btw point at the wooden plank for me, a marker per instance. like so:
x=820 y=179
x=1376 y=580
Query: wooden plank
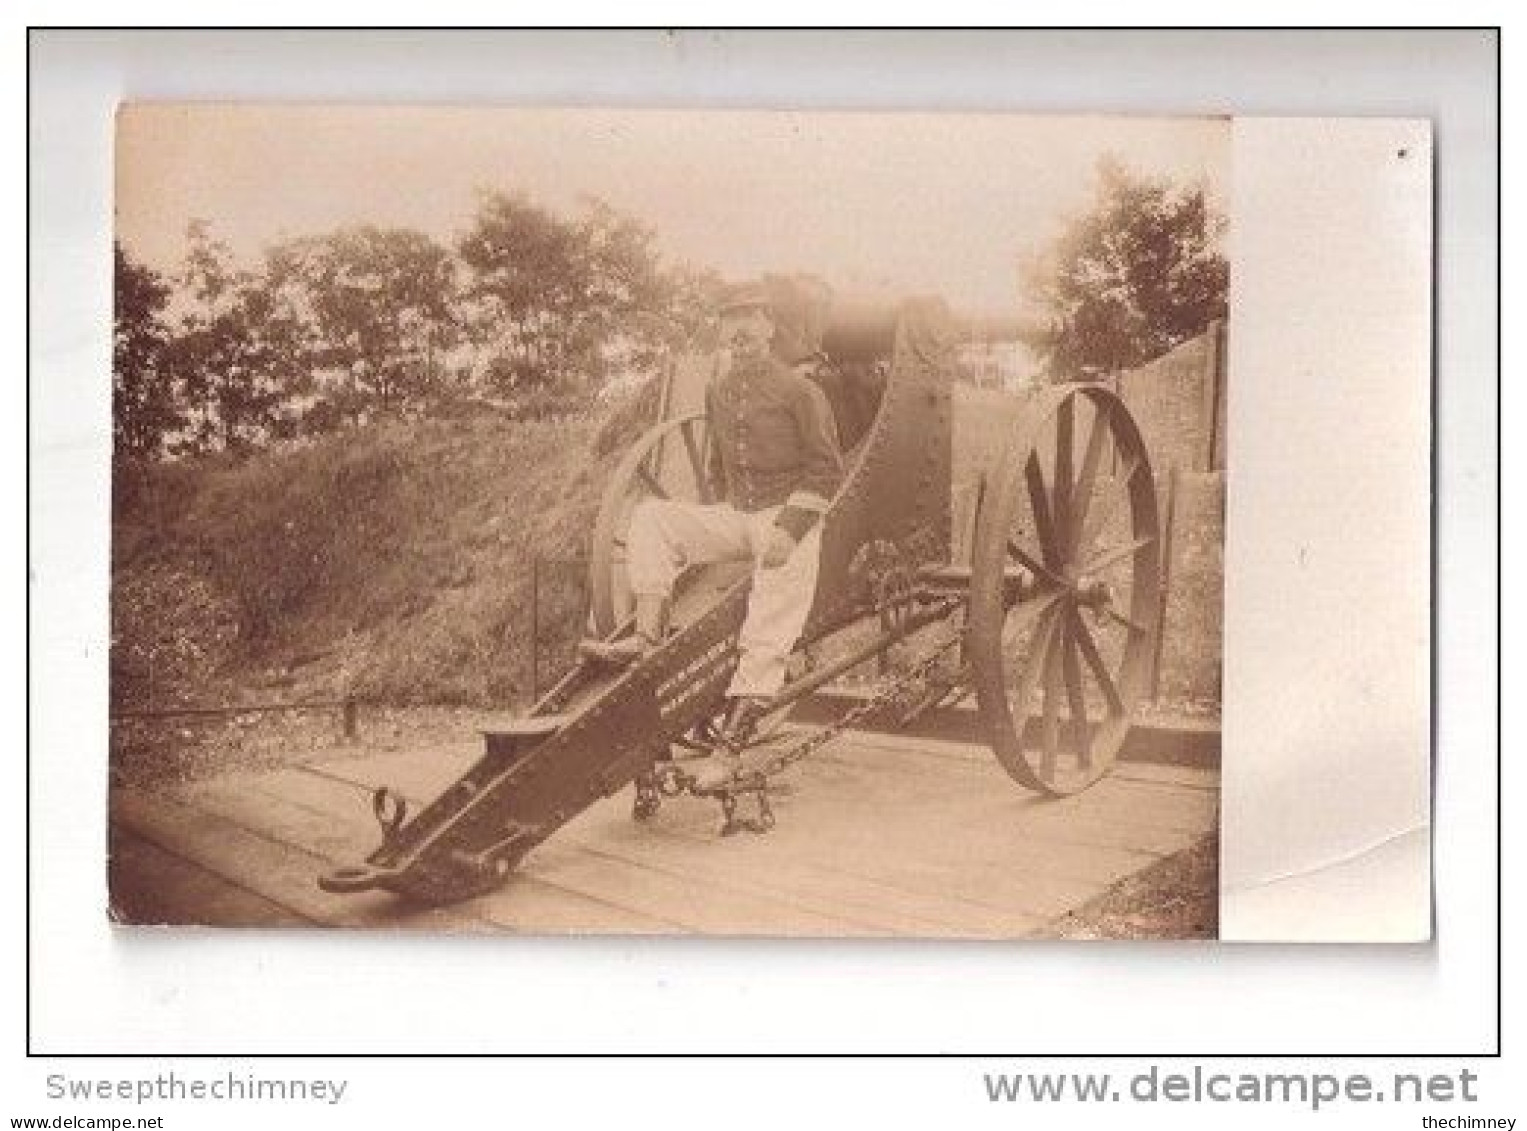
x=752 y=863
x=1189 y=777
x=311 y=810
x=1085 y=830
x=1146 y=803
x=917 y=844
x=151 y=887
x=1154 y=801
x=626 y=882
x=419 y=776
x=426 y=775
x=998 y=885
x=913 y=836
x=994 y=869
x=415 y=781
x=927 y=806
x=1152 y=809
x=1158 y=737
x=960 y=826
x=905 y=785
x=865 y=744
x=698 y=906
x=975 y=754
x=346 y=835
x=279 y=872
x=525 y=903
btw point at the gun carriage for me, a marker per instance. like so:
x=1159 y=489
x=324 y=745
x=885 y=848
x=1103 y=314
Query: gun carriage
x=1018 y=561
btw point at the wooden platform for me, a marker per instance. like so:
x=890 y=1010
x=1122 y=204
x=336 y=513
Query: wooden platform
x=878 y=835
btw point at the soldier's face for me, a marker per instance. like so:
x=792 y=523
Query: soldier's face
x=747 y=332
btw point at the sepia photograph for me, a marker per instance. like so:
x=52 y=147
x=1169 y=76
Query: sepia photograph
x=668 y=522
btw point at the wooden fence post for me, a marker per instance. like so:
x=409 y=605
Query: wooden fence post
x=1214 y=392
x=1168 y=537
x=535 y=628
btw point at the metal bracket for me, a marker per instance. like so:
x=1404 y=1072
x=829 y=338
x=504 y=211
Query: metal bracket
x=649 y=797
x=390 y=808
x=732 y=823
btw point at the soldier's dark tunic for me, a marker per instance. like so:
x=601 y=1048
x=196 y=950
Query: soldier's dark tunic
x=774 y=442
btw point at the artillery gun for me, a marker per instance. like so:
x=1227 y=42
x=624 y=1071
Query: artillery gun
x=1011 y=540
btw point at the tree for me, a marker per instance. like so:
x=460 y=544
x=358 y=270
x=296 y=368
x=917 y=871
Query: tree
x=1128 y=280
x=555 y=304
x=239 y=351
x=144 y=405
x=624 y=314
x=521 y=275
x=378 y=302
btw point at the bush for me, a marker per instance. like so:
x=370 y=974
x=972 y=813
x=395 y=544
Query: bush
x=391 y=561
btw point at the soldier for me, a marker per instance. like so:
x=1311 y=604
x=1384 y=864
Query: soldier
x=775 y=451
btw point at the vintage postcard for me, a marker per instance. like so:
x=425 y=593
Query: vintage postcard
x=731 y=523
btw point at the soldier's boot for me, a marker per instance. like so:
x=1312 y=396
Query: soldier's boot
x=736 y=732
x=651 y=628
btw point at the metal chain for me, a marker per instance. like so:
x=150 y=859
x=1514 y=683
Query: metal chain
x=893 y=694
x=668 y=781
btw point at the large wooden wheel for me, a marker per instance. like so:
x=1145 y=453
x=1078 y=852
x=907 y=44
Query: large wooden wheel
x=671 y=460
x=1066 y=576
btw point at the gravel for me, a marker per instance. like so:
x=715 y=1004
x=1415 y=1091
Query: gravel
x=1175 y=898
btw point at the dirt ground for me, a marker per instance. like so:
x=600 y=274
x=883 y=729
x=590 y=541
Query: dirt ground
x=1175 y=898
x=179 y=749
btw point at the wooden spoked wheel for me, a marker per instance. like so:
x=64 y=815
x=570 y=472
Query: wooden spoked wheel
x=670 y=461
x=1065 y=585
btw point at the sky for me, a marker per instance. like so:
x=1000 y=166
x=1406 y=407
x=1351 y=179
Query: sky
x=876 y=204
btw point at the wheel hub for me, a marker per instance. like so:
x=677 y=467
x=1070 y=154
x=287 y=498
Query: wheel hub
x=1091 y=592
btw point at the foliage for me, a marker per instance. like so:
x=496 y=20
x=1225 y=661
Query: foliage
x=392 y=561
x=1139 y=273
x=239 y=352
x=144 y=407
x=529 y=313
x=560 y=304
x=378 y=306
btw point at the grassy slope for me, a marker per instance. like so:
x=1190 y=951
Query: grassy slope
x=391 y=562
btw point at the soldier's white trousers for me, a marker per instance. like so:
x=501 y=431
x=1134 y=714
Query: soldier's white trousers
x=666 y=535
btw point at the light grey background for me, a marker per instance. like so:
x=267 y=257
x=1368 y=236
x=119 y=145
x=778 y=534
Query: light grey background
x=100 y=990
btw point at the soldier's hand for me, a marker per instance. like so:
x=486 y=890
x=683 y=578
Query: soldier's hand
x=777 y=551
